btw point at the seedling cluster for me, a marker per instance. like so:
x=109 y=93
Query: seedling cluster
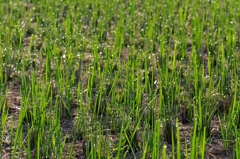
x=120 y=79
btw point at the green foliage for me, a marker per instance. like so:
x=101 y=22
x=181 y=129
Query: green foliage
x=115 y=77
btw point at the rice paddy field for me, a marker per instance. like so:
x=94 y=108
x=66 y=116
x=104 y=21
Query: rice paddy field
x=142 y=79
